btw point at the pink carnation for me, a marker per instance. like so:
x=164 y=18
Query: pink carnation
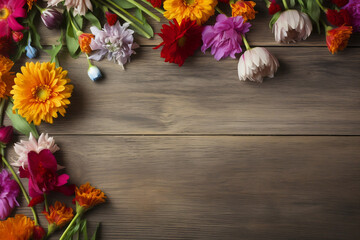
x=9 y=190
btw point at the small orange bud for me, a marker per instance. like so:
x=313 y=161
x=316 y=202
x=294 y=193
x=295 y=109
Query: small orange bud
x=84 y=41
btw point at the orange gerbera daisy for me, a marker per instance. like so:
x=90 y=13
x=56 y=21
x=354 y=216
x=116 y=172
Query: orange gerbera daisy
x=338 y=38
x=244 y=9
x=84 y=41
x=19 y=227
x=59 y=215
x=86 y=196
x=41 y=91
x=6 y=77
x=194 y=10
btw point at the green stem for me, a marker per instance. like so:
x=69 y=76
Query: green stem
x=78 y=31
x=124 y=11
x=246 y=42
x=2 y=108
x=39 y=8
x=320 y=5
x=145 y=10
x=285 y=4
x=219 y=10
x=267 y=3
x=157 y=9
x=70 y=225
x=126 y=19
x=46 y=203
x=16 y=178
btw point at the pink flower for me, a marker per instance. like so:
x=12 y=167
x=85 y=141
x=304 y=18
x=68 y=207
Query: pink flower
x=224 y=38
x=9 y=10
x=43 y=177
x=6 y=134
x=24 y=147
x=9 y=190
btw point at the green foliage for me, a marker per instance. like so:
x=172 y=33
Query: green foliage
x=311 y=8
x=124 y=4
x=20 y=123
x=80 y=231
x=145 y=26
x=274 y=18
x=71 y=37
x=92 y=19
x=54 y=51
x=292 y=3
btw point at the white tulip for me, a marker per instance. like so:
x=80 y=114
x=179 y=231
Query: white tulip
x=292 y=26
x=257 y=63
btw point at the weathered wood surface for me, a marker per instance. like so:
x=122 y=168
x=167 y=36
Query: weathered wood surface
x=160 y=141
x=220 y=187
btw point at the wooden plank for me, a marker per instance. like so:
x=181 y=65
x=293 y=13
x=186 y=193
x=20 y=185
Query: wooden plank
x=314 y=92
x=260 y=34
x=220 y=187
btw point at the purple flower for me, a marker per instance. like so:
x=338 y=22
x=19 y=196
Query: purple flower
x=52 y=18
x=353 y=8
x=224 y=38
x=6 y=134
x=117 y=42
x=9 y=190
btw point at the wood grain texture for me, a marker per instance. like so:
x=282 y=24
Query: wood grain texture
x=260 y=34
x=220 y=187
x=313 y=93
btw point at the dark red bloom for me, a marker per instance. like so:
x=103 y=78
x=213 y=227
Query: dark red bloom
x=338 y=18
x=42 y=176
x=6 y=134
x=179 y=41
x=17 y=36
x=111 y=18
x=274 y=7
x=6 y=46
x=224 y=1
x=340 y=3
x=155 y=3
x=38 y=233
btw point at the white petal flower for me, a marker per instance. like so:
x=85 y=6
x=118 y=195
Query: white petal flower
x=24 y=147
x=117 y=42
x=292 y=26
x=80 y=6
x=257 y=63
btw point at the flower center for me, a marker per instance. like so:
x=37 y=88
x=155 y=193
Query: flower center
x=41 y=93
x=182 y=41
x=4 y=13
x=189 y=2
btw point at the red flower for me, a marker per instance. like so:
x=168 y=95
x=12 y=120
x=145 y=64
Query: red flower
x=224 y=1
x=6 y=46
x=42 y=176
x=155 y=3
x=179 y=41
x=17 y=36
x=340 y=3
x=338 y=18
x=38 y=233
x=6 y=134
x=111 y=18
x=274 y=7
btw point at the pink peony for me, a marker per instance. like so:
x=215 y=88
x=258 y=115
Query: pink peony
x=43 y=177
x=9 y=10
x=9 y=190
x=224 y=38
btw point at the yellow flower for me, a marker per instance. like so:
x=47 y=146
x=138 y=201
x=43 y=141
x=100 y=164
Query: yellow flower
x=244 y=9
x=6 y=77
x=19 y=227
x=87 y=196
x=195 y=10
x=41 y=91
x=59 y=214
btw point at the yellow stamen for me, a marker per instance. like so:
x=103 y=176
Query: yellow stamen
x=4 y=13
x=41 y=93
x=182 y=41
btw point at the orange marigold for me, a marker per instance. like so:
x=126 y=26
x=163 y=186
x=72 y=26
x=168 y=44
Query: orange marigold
x=6 y=77
x=30 y=3
x=84 y=41
x=59 y=214
x=19 y=227
x=338 y=38
x=244 y=9
x=87 y=196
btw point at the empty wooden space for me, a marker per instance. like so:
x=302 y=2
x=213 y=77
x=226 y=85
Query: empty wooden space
x=192 y=153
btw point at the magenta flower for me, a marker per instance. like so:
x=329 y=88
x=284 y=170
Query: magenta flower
x=6 y=134
x=43 y=177
x=9 y=10
x=353 y=8
x=224 y=38
x=9 y=190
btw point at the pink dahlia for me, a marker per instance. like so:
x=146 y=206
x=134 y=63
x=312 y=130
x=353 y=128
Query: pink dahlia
x=9 y=190
x=225 y=37
x=9 y=11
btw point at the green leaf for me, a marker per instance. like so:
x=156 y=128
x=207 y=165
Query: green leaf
x=54 y=51
x=35 y=37
x=93 y=20
x=124 y=4
x=84 y=230
x=20 y=123
x=313 y=10
x=71 y=38
x=95 y=233
x=292 y=3
x=79 y=21
x=274 y=18
x=145 y=26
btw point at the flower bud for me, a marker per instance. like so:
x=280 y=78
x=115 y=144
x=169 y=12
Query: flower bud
x=52 y=18
x=38 y=233
x=84 y=42
x=94 y=73
x=17 y=36
x=31 y=52
x=6 y=134
x=111 y=18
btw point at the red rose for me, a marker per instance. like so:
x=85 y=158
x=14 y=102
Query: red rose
x=338 y=18
x=274 y=7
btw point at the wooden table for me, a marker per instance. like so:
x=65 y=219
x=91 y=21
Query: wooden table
x=192 y=153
